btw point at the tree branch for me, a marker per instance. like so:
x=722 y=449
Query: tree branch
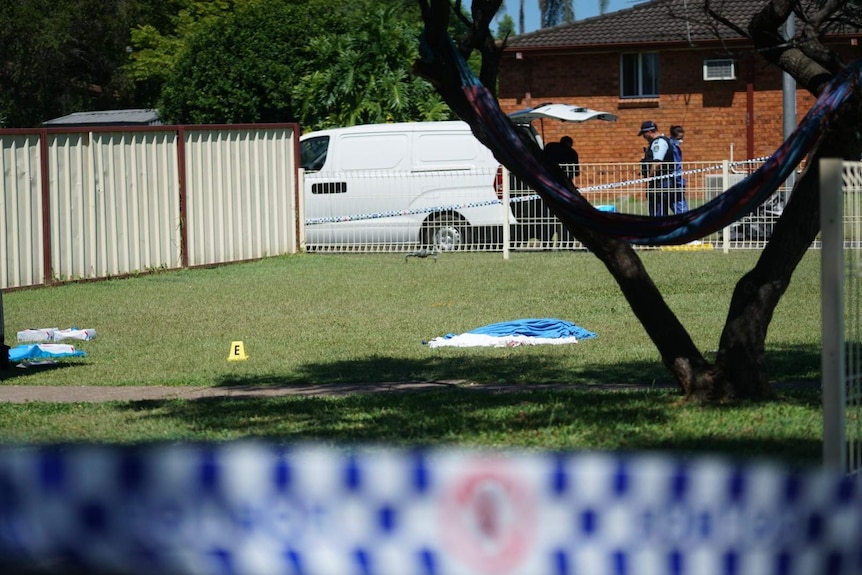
x=806 y=67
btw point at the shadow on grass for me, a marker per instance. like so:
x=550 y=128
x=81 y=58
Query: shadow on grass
x=790 y=363
x=525 y=370
x=562 y=419
x=20 y=373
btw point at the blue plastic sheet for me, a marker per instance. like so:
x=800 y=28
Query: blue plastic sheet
x=43 y=351
x=535 y=327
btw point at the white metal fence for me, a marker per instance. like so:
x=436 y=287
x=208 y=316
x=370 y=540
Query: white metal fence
x=101 y=202
x=841 y=301
x=341 y=221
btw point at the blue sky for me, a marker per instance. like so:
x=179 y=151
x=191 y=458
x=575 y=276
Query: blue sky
x=583 y=9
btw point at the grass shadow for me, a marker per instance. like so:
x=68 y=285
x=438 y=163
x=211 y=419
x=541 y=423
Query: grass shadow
x=13 y=372
x=521 y=370
x=788 y=363
x=575 y=418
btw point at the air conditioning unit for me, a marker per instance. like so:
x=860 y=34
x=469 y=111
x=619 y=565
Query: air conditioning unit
x=714 y=184
x=719 y=69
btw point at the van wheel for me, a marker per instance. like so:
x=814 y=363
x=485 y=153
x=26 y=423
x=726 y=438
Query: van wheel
x=446 y=233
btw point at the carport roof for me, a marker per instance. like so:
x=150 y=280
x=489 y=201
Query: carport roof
x=131 y=117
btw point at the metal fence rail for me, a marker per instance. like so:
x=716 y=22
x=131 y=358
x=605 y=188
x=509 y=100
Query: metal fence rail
x=375 y=223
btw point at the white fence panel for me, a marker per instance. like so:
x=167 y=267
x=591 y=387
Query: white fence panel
x=69 y=182
x=841 y=309
x=384 y=212
x=141 y=168
x=21 y=211
x=241 y=186
x=114 y=203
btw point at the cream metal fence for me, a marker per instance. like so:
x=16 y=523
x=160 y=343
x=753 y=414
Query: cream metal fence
x=91 y=203
x=22 y=242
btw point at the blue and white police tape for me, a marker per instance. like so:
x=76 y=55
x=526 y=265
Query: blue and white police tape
x=250 y=508
x=644 y=180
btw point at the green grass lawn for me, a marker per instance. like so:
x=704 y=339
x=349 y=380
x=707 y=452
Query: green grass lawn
x=328 y=319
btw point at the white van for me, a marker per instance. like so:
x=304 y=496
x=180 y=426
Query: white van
x=431 y=184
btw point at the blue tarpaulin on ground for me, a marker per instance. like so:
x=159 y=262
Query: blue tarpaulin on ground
x=534 y=327
x=533 y=331
x=43 y=351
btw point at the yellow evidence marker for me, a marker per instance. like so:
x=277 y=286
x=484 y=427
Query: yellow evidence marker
x=237 y=351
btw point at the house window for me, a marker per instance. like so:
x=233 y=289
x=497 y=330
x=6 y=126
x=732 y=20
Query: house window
x=639 y=75
x=719 y=70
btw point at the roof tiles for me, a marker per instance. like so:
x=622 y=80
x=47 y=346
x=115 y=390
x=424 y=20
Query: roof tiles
x=655 y=21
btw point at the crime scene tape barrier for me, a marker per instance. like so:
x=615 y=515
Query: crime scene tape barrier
x=253 y=508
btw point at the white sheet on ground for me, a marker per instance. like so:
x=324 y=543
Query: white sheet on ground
x=536 y=331
x=50 y=334
x=481 y=340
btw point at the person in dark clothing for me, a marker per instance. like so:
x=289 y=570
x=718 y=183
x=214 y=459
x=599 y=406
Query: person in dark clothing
x=678 y=202
x=564 y=154
x=658 y=165
x=535 y=216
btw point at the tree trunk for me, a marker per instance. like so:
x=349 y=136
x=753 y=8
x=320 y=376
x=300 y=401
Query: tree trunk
x=740 y=356
x=678 y=352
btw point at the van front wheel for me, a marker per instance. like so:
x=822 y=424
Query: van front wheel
x=445 y=233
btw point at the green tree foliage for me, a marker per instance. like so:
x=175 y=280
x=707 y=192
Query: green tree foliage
x=62 y=56
x=319 y=62
x=505 y=27
x=315 y=62
x=242 y=66
x=365 y=76
x=157 y=45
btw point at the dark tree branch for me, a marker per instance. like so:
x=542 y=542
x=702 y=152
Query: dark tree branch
x=826 y=13
x=808 y=66
x=718 y=17
x=740 y=369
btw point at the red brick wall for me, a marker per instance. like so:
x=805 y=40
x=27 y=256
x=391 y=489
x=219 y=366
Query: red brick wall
x=714 y=113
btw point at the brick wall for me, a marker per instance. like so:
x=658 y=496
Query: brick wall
x=714 y=113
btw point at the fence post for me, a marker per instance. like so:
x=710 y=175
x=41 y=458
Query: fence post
x=832 y=312
x=506 y=211
x=4 y=349
x=725 y=183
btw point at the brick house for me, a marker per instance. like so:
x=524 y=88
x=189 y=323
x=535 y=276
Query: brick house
x=661 y=60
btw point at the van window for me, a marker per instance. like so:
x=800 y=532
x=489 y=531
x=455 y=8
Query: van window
x=372 y=151
x=312 y=153
x=446 y=149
